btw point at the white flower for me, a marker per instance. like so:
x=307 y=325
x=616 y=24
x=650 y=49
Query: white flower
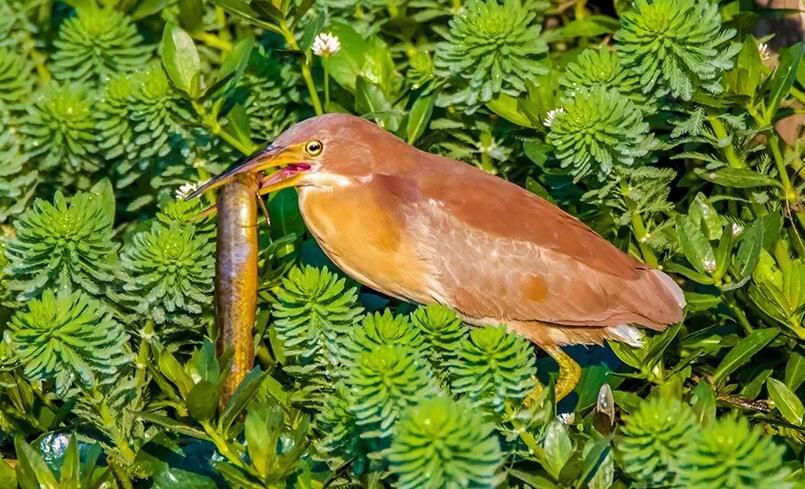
x=552 y=115
x=763 y=49
x=326 y=44
x=185 y=190
x=567 y=418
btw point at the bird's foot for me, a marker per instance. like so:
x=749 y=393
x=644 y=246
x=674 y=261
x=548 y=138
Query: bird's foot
x=569 y=371
x=569 y=375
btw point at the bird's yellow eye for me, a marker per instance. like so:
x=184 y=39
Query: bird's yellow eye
x=313 y=148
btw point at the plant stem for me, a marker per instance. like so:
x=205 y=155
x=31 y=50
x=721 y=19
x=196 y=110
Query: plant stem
x=790 y=194
x=326 y=63
x=798 y=94
x=121 y=477
x=214 y=41
x=639 y=229
x=39 y=59
x=119 y=439
x=306 y=73
x=222 y=446
x=211 y=122
x=581 y=9
x=144 y=352
x=728 y=150
x=739 y=314
x=641 y=234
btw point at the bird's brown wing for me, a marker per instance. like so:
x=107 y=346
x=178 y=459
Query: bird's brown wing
x=498 y=252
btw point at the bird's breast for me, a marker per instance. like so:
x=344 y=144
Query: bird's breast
x=367 y=235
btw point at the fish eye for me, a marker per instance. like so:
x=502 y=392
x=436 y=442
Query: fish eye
x=313 y=148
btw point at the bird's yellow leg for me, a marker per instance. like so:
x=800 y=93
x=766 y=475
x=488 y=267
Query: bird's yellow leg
x=569 y=375
x=569 y=371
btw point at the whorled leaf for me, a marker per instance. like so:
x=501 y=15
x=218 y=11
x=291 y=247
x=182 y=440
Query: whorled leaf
x=492 y=48
x=168 y=275
x=677 y=46
x=492 y=368
x=597 y=131
x=442 y=443
x=96 y=44
x=70 y=339
x=63 y=245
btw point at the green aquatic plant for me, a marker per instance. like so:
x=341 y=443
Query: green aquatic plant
x=70 y=339
x=60 y=133
x=168 y=272
x=442 y=443
x=730 y=453
x=313 y=313
x=654 y=438
x=597 y=131
x=678 y=47
x=491 y=49
x=96 y=44
x=65 y=244
x=493 y=367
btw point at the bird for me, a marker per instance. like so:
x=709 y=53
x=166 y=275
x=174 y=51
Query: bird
x=428 y=229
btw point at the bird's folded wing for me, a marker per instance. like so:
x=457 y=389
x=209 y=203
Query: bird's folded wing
x=497 y=252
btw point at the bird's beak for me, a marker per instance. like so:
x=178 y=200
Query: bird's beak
x=270 y=157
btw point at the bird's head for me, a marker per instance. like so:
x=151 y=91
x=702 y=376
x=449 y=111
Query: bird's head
x=329 y=150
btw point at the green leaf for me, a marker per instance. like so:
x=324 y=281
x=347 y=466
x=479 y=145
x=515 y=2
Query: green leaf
x=745 y=77
x=589 y=26
x=743 y=351
x=737 y=178
x=243 y=10
x=628 y=401
x=71 y=465
x=181 y=60
x=795 y=370
x=704 y=403
x=191 y=14
x=783 y=78
x=235 y=476
x=695 y=245
x=537 y=188
x=345 y=65
x=267 y=10
x=378 y=65
x=748 y=254
x=32 y=468
x=263 y=428
x=175 y=478
x=704 y=214
x=659 y=344
x=174 y=425
x=695 y=302
x=8 y=478
x=597 y=459
x=532 y=480
x=419 y=117
x=536 y=151
x=557 y=448
x=202 y=401
x=372 y=102
x=789 y=405
x=234 y=65
x=238 y=125
x=241 y=397
x=147 y=8
x=172 y=369
x=506 y=106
